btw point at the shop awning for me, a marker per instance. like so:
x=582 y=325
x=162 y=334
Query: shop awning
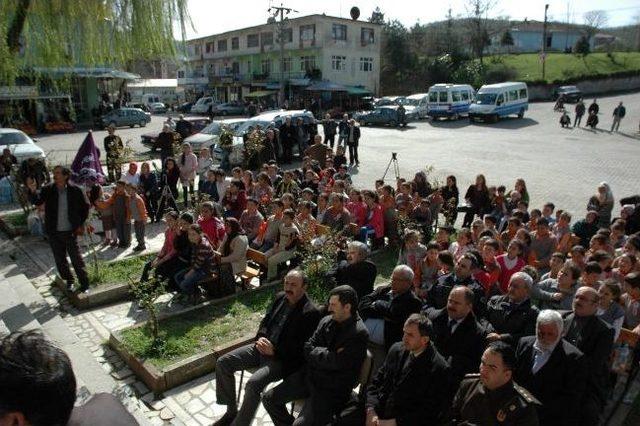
x=259 y=94
x=326 y=86
x=89 y=72
x=358 y=91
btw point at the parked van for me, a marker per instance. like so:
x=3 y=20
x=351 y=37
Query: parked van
x=150 y=98
x=449 y=100
x=500 y=100
x=418 y=104
x=202 y=105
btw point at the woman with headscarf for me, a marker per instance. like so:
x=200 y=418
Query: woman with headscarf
x=602 y=203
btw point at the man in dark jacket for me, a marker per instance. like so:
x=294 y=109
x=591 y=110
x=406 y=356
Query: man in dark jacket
x=113 y=147
x=165 y=142
x=334 y=356
x=594 y=338
x=184 y=127
x=594 y=108
x=552 y=369
x=287 y=139
x=356 y=271
x=412 y=386
x=276 y=354
x=329 y=127
x=511 y=316
x=352 y=140
x=343 y=130
x=586 y=228
x=457 y=334
x=618 y=114
x=580 y=109
x=66 y=209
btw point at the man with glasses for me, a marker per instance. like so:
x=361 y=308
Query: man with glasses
x=66 y=209
x=594 y=338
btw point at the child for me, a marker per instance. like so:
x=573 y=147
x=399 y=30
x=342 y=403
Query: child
x=510 y=263
x=138 y=213
x=578 y=254
x=462 y=244
x=428 y=270
x=285 y=247
x=562 y=232
x=555 y=264
x=211 y=224
x=404 y=200
x=204 y=165
x=120 y=204
x=445 y=264
x=339 y=159
x=442 y=237
x=106 y=214
x=591 y=275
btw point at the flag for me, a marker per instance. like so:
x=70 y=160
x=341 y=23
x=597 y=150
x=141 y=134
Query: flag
x=86 y=168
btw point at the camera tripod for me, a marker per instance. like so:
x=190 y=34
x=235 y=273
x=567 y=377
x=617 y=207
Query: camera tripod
x=166 y=196
x=396 y=167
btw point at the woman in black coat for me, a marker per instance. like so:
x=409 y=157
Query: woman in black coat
x=149 y=189
x=451 y=199
x=478 y=200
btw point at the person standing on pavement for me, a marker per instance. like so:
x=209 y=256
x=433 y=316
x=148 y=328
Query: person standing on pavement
x=343 y=130
x=594 y=108
x=188 y=167
x=113 y=144
x=618 y=114
x=66 y=209
x=287 y=137
x=302 y=136
x=353 y=138
x=184 y=127
x=329 y=126
x=165 y=142
x=580 y=109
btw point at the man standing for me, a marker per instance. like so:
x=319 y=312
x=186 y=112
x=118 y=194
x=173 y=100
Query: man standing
x=412 y=386
x=618 y=114
x=353 y=138
x=276 y=353
x=318 y=151
x=287 y=137
x=594 y=338
x=302 y=136
x=329 y=126
x=553 y=370
x=457 y=334
x=165 y=142
x=594 y=108
x=113 y=147
x=184 y=127
x=580 y=109
x=511 y=316
x=357 y=271
x=66 y=209
x=343 y=130
x=492 y=397
x=334 y=356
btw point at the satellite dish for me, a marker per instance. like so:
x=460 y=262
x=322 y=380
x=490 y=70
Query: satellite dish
x=355 y=13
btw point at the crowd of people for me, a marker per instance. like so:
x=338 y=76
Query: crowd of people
x=514 y=316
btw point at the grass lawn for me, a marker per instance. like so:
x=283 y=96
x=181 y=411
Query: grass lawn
x=204 y=329
x=560 y=66
x=385 y=260
x=17 y=219
x=118 y=271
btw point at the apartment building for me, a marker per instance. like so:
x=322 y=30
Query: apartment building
x=316 y=47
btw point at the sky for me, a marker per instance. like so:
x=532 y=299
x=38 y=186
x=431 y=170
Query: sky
x=217 y=16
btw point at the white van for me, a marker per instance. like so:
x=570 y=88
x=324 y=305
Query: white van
x=418 y=104
x=449 y=100
x=500 y=100
x=202 y=105
x=150 y=98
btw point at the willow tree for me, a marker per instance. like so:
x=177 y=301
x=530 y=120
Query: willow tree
x=61 y=33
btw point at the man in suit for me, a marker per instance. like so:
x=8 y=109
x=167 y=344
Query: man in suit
x=386 y=309
x=334 y=356
x=456 y=333
x=66 y=209
x=552 y=369
x=493 y=395
x=276 y=353
x=594 y=338
x=411 y=387
x=357 y=271
x=511 y=316
x=353 y=139
x=287 y=139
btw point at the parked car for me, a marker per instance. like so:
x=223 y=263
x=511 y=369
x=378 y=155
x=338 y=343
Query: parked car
x=157 y=108
x=202 y=105
x=20 y=144
x=389 y=101
x=231 y=108
x=143 y=107
x=197 y=124
x=210 y=135
x=418 y=105
x=571 y=93
x=125 y=117
x=381 y=116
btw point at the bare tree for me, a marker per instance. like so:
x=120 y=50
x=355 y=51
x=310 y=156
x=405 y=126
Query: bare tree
x=478 y=11
x=594 y=20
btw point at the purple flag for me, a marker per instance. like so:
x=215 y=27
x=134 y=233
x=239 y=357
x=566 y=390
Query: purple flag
x=86 y=168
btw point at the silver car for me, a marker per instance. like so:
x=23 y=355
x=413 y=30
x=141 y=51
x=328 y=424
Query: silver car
x=20 y=144
x=125 y=117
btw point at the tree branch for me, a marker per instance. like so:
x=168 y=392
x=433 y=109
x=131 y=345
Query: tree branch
x=15 y=30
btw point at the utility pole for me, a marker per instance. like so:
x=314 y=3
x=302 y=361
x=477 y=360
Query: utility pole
x=278 y=13
x=544 y=40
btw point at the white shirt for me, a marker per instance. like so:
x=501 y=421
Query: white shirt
x=132 y=179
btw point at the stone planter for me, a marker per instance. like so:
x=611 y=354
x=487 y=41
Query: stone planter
x=96 y=296
x=187 y=369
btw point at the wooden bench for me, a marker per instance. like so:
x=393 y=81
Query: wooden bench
x=258 y=259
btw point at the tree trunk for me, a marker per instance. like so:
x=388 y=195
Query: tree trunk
x=17 y=25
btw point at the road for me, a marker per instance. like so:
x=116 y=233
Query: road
x=560 y=165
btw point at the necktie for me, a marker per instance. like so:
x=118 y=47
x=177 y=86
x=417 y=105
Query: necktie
x=452 y=323
x=537 y=362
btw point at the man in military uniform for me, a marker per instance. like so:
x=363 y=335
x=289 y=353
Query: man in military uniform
x=491 y=397
x=113 y=147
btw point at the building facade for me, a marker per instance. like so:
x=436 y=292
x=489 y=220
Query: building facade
x=527 y=38
x=315 y=47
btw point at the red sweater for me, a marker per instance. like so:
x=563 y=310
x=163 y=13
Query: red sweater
x=213 y=229
x=376 y=220
x=505 y=274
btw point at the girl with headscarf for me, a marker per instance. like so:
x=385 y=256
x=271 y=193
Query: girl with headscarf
x=602 y=203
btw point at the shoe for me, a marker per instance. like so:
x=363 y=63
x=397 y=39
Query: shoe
x=70 y=285
x=227 y=419
x=124 y=246
x=139 y=248
x=83 y=289
x=114 y=243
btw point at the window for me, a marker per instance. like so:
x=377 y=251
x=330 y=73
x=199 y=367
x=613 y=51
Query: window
x=455 y=96
x=307 y=63
x=500 y=99
x=338 y=63
x=222 y=45
x=287 y=35
x=307 y=32
x=366 y=64
x=286 y=65
x=444 y=96
x=180 y=74
x=267 y=39
x=513 y=95
x=235 y=67
x=235 y=43
x=339 y=32
x=253 y=40
x=266 y=66
x=523 y=93
x=198 y=49
x=366 y=36
x=465 y=96
x=209 y=47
